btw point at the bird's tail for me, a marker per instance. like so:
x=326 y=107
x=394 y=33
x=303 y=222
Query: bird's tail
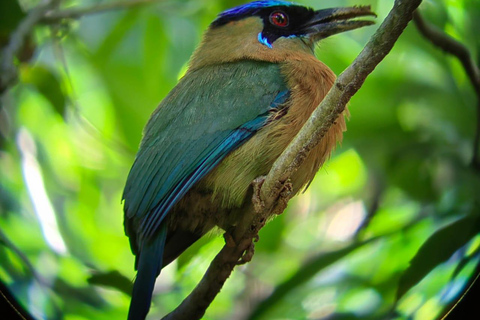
x=149 y=266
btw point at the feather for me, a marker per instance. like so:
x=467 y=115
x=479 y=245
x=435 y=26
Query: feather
x=149 y=264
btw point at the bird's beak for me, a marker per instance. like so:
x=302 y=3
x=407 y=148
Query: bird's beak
x=331 y=21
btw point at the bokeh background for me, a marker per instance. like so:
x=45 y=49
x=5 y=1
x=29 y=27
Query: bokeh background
x=389 y=229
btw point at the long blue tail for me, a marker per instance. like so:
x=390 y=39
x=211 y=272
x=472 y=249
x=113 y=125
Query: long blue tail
x=149 y=266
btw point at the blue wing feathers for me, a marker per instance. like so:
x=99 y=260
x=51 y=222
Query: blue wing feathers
x=280 y=99
x=149 y=265
x=203 y=119
x=235 y=139
x=210 y=113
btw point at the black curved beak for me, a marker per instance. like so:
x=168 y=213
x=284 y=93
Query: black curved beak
x=327 y=22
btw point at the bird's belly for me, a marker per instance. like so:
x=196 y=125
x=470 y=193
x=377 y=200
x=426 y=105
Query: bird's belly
x=226 y=191
x=229 y=184
x=309 y=82
x=199 y=212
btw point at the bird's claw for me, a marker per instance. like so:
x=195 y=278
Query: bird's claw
x=229 y=241
x=283 y=198
x=258 y=203
x=248 y=254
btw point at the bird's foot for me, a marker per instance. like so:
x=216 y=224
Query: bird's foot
x=229 y=241
x=248 y=254
x=258 y=203
x=286 y=192
x=283 y=198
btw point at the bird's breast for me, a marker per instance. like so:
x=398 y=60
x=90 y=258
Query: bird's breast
x=308 y=80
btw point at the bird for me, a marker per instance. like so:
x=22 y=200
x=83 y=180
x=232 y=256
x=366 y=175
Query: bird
x=251 y=84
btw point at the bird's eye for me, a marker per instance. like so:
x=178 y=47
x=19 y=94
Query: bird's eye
x=279 y=19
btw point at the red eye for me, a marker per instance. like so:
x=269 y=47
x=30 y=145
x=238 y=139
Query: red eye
x=279 y=19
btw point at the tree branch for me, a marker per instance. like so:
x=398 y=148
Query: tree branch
x=347 y=84
x=451 y=46
x=456 y=48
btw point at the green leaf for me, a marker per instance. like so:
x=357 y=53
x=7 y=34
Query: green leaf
x=411 y=171
x=271 y=236
x=10 y=16
x=47 y=84
x=461 y=265
x=303 y=274
x=438 y=249
x=8 y=201
x=113 y=279
x=85 y=295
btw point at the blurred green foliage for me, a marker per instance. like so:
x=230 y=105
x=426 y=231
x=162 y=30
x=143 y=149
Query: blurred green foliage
x=389 y=227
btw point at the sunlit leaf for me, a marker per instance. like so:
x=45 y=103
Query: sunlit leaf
x=47 y=84
x=305 y=273
x=437 y=249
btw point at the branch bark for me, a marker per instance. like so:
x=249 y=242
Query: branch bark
x=449 y=45
x=347 y=84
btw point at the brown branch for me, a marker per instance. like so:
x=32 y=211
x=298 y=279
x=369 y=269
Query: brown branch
x=347 y=84
x=451 y=46
x=195 y=305
x=456 y=48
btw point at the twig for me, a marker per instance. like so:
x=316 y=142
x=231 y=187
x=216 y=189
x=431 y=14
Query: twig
x=347 y=84
x=449 y=45
x=194 y=306
x=8 y=71
x=77 y=12
x=456 y=48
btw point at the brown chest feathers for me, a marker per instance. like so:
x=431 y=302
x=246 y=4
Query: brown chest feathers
x=225 y=192
x=309 y=81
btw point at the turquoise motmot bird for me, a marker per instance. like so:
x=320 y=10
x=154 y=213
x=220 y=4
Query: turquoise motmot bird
x=251 y=84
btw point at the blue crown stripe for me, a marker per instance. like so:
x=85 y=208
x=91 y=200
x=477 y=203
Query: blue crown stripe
x=253 y=5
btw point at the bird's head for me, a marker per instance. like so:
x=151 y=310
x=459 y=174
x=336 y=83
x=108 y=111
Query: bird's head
x=273 y=31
